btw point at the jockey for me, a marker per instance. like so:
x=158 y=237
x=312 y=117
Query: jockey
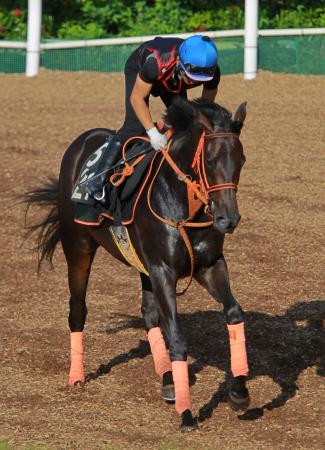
x=164 y=67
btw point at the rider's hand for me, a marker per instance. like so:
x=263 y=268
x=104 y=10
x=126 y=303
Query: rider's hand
x=157 y=139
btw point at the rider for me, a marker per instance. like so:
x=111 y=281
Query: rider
x=164 y=67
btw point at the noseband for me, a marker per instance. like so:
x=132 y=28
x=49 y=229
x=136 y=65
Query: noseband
x=202 y=188
x=199 y=166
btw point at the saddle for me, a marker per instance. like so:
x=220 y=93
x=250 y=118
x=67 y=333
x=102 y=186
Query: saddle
x=122 y=189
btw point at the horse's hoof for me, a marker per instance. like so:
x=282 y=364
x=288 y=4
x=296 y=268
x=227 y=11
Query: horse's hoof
x=77 y=384
x=238 y=402
x=168 y=389
x=168 y=393
x=188 y=422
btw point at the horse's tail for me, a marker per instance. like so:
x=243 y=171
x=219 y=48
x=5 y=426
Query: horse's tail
x=44 y=196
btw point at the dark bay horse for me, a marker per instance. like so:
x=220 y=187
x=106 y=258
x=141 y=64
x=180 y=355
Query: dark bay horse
x=205 y=146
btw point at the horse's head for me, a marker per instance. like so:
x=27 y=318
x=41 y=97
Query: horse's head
x=217 y=153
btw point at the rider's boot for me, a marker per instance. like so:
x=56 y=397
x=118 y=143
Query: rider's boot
x=96 y=187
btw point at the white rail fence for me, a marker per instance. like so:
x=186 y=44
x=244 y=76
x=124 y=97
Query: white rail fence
x=34 y=46
x=141 y=39
x=250 y=64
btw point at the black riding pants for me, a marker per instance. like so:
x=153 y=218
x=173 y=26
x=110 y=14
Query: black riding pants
x=132 y=126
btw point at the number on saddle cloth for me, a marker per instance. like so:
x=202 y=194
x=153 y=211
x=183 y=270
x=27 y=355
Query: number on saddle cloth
x=88 y=171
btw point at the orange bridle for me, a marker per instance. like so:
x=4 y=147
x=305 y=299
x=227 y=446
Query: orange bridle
x=202 y=189
x=198 y=164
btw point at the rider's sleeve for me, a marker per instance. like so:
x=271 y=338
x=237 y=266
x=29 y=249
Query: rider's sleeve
x=213 y=84
x=149 y=71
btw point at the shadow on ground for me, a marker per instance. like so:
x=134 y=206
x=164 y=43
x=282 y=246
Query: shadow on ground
x=279 y=346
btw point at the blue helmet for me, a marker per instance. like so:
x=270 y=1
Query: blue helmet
x=198 y=57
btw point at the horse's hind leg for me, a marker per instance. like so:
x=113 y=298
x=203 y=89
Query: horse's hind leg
x=162 y=363
x=215 y=279
x=79 y=253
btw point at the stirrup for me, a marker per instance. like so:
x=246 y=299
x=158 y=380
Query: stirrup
x=99 y=197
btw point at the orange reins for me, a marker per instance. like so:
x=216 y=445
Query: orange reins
x=118 y=178
x=202 y=189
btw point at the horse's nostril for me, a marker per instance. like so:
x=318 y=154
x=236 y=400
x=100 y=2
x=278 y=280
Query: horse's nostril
x=227 y=224
x=224 y=223
x=231 y=220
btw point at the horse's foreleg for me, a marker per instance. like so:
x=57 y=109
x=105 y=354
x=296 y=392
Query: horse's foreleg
x=164 y=290
x=79 y=263
x=162 y=363
x=216 y=280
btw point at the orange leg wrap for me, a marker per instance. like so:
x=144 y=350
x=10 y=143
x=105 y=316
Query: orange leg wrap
x=238 y=354
x=182 y=386
x=77 y=367
x=159 y=352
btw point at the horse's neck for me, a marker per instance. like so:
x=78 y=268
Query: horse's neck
x=169 y=194
x=183 y=155
x=171 y=191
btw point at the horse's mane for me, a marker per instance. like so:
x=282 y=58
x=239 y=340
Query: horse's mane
x=183 y=117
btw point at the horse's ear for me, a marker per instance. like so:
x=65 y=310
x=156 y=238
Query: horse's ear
x=240 y=115
x=204 y=121
x=180 y=114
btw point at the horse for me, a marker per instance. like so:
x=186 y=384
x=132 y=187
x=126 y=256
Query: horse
x=205 y=157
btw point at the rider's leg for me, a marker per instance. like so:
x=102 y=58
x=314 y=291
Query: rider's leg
x=131 y=127
x=95 y=185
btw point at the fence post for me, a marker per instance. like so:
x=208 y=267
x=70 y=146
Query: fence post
x=251 y=36
x=33 y=37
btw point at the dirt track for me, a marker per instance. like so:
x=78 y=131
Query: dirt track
x=275 y=263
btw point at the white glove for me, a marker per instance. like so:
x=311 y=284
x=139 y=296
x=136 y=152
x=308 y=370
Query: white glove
x=157 y=139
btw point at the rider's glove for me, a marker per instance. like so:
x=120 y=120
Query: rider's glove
x=157 y=139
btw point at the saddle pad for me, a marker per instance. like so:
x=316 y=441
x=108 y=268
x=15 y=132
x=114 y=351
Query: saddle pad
x=122 y=200
x=89 y=170
x=131 y=184
x=123 y=242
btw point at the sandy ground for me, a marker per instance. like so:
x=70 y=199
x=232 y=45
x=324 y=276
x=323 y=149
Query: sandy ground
x=275 y=262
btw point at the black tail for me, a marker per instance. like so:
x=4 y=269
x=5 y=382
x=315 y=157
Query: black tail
x=45 y=196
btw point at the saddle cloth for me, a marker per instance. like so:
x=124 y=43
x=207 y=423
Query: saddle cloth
x=121 y=200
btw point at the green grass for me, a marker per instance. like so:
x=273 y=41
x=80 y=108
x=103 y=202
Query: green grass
x=5 y=445
x=169 y=447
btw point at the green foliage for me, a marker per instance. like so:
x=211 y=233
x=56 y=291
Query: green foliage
x=230 y=18
x=201 y=21
x=110 y=16
x=96 y=19
x=13 y=24
x=75 y=31
x=300 y=18
x=91 y=19
x=163 y=17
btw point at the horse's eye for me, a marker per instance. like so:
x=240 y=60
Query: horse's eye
x=211 y=163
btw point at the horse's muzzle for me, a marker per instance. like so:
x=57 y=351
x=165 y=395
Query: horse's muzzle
x=226 y=224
